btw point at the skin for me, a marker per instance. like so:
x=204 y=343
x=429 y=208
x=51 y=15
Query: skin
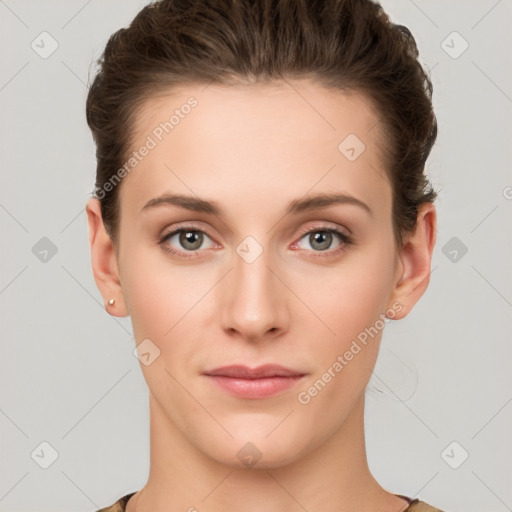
x=253 y=149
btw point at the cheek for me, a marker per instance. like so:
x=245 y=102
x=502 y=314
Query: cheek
x=352 y=311
x=162 y=304
x=351 y=307
x=352 y=297
x=152 y=298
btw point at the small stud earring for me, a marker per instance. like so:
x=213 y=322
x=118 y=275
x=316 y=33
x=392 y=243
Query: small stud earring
x=111 y=301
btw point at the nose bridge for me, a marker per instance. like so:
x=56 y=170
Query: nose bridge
x=256 y=301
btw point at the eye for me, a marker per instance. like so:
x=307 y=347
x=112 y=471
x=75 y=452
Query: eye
x=188 y=239
x=321 y=239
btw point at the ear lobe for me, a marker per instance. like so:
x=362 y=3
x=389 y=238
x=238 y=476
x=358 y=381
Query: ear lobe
x=415 y=260
x=104 y=261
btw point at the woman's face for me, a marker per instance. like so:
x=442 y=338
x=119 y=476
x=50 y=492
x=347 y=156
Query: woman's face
x=259 y=278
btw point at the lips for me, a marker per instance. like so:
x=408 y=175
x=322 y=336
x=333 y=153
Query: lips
x=254 y=383
x=260 y=372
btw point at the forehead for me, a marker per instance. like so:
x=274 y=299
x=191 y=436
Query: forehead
x=287 y=136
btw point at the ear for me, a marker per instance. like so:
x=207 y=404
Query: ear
x=415 y=256
x=104 y=261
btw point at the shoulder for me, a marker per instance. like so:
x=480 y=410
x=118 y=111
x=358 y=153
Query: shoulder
x=119 y=505
x=420 y=506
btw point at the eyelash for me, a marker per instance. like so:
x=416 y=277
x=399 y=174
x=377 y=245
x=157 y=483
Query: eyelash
x=345 y=240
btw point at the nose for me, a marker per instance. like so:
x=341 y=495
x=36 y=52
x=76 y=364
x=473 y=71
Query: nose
x=254 y=299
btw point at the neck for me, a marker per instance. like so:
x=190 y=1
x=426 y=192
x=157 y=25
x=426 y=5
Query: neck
x=332 y=477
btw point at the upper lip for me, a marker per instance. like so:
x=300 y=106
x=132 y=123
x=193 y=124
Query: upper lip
x=244 y=372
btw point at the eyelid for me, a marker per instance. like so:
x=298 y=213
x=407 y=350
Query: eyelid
x=311 y=227
x=325 y=225
x=186 y=226
x=344 y=239
x=183 y=226
x=344 y=236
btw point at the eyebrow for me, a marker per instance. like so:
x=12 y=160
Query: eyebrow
x=311 y=203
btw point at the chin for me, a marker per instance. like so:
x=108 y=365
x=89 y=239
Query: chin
x=257 y=450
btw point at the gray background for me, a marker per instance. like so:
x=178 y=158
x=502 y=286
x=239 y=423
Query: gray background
x=68 y=374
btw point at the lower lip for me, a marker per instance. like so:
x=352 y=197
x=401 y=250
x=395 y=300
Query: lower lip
x=255 y=388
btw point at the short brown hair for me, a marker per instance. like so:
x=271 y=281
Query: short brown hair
x=350 y=45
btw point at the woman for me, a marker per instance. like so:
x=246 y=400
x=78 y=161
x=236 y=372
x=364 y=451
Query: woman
x=232 y=138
